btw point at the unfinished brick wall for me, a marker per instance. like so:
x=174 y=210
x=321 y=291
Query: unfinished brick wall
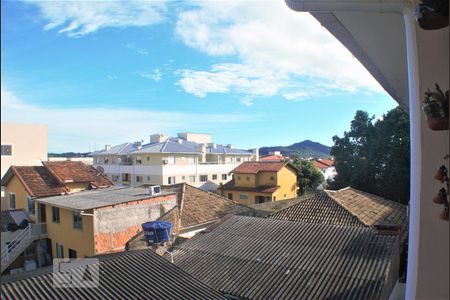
x=115 y=225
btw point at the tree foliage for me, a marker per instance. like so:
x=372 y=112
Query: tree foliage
x=374 y=155
x=311 y=177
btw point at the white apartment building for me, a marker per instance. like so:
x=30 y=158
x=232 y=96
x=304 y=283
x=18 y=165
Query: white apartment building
x=190 y=157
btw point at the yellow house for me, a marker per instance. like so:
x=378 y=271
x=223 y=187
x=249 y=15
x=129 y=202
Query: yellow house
x=101 y=221
x=259 y=182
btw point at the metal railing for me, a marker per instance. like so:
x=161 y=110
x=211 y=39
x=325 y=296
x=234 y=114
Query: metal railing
x=20 y=242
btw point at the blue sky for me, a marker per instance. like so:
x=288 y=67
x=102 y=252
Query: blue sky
x=252 y=73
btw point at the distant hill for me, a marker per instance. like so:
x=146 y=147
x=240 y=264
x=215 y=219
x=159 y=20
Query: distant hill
x=304 y=149
x=69 y=154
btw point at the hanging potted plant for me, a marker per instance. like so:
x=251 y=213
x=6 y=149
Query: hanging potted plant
x=432 y=14
x=435 y=107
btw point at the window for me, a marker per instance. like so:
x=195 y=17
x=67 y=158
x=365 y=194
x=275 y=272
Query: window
x=138 y=160
x=125 y=177
x=247 y=178
x=77 y=221
x=59 y=250
x=203 y=178
x=239 y=177
x=171 y=160
x=230 y=196
x=191 y=160
x=12 y=201
x=243 y=196
x=72 y=253
x=224 y=176
x=30 y=204
x=138 y=178
x=106 y=160
x=192 y=178
x=55 y=214
x=148 y=158
x=214 y=177
x=115 y=178
x=149 y=178
x=6 y=150
x=183 y=177
x=238 y=159
x=232 y=159
x=171 y=179
x=272 y=178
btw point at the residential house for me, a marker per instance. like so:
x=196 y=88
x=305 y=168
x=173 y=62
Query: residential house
x=326 y=166
x=255 y=258
x=15 y=146
x=259 y=182
x=24 y=185
x=127 y=275
x=191 y=158
x=100 y=221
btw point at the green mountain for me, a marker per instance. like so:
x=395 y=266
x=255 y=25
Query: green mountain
x=303 y=149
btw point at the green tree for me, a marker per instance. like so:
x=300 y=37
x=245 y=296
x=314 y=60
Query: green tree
x=311 y=177
x=374 y=156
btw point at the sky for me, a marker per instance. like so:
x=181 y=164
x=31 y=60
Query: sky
x=251 y=73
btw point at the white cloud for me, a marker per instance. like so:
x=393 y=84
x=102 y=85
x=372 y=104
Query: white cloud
x=73 y=129
x=78 y=18
x=155 y=75
x=269 y=39
x=226 y=77
x=111 y=77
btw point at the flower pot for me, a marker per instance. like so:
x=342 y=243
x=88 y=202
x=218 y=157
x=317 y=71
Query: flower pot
x=444 y=214
x=440 y=197
x=441 y=174
x=438 y=123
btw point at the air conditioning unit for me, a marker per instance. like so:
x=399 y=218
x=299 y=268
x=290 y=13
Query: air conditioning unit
x=154 y=190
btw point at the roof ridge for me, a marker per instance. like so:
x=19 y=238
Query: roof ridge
x=164 y=146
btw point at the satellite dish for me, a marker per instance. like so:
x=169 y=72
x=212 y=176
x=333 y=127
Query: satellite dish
x=100 y=170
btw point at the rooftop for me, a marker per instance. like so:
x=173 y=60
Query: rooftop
x=199 y=207
x=128 y=275
x=166 y=147
x=254 y=258
x=260 y=166
x=347 y=207
x=52 y=178
x=99 y=198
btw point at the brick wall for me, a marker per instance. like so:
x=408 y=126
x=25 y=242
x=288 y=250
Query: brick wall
x=115 y=225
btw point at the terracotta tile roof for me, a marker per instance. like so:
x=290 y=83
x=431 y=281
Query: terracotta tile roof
x=38 y=181
x=323 y=163
x=261 y=189
x=128 y=275
x=370 y=209
x=76 y=171
x=51 y=179
x=321 y=209
x=261 y=166
x=256 y=258
x=272 y=158
x=199 y=207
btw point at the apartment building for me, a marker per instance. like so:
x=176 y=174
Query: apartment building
x=188 y=158
x=259 y=182
x=23 y=145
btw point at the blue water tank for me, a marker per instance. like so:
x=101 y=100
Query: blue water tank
x=157 y=231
